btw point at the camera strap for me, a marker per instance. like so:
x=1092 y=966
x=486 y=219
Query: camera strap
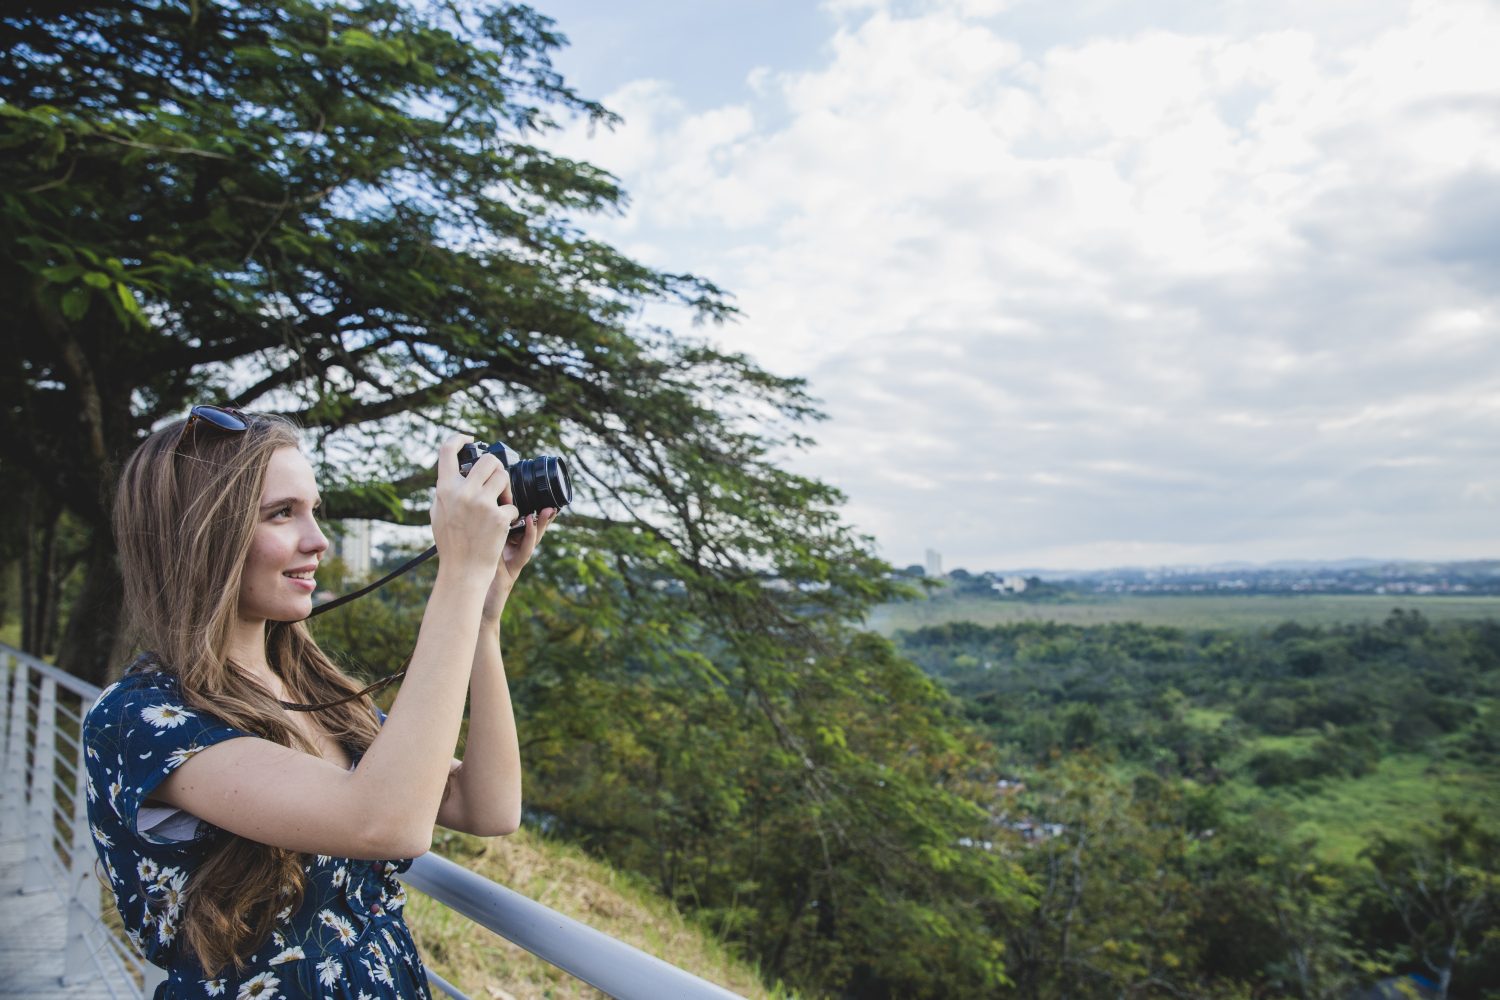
x=345 y=599
x=361 y=592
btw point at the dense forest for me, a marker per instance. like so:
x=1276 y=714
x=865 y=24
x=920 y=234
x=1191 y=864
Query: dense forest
x=1295 y=810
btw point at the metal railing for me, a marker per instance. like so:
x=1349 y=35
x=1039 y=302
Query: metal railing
x=44 y=769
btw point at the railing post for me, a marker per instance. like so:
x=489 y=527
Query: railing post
x=11 y=820
x=83 y=887
x=39 y=854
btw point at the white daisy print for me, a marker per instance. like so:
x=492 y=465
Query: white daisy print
x=166 y=929
x=101 y=836
x=323 y=859
x=93 y=792
x=147 y=870
x=342 y=927
x=339 y=875
x=291 y=954
x=283 y=913
x=173 y=899
x=114 y=794
x=166 y=716
x=180 y=755
x=262 y=986
x=382 y=971
x=214 y=987
x=329 y=970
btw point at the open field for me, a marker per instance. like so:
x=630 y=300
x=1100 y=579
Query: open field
x=1207 y=611
x=1402 y=793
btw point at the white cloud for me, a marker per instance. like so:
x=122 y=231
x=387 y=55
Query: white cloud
x=1152 y=291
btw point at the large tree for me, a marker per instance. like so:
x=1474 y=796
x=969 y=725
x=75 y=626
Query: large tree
x=340 y=212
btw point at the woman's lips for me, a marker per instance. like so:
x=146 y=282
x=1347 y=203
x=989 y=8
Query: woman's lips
x=306 y=585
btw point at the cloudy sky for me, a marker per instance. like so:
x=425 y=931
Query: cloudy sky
x=1091 y=283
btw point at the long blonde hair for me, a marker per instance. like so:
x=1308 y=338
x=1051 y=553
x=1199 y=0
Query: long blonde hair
x=184 y=521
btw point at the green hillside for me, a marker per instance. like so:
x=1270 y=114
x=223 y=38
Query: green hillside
x=562 y=877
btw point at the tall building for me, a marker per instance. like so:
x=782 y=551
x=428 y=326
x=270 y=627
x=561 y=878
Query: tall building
x=934 y=563
x=352 y=545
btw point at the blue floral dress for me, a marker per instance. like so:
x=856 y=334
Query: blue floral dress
x=347 y=941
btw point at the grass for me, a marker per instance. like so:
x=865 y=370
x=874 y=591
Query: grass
x=1293 y=743
x=1242 y=611
x=1404 y=791
x=560 y=876
x=1207 y=719
x=10 y=634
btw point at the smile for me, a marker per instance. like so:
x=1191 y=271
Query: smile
x=303 y=581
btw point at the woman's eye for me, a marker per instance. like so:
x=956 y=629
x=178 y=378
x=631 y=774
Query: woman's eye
x=283 y=512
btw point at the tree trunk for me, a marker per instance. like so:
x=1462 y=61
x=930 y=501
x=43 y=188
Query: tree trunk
x=93 y=646
x=38 y=573
x=28 y=595
x=49 y=591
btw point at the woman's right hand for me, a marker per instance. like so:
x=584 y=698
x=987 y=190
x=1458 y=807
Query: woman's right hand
x=469 y=524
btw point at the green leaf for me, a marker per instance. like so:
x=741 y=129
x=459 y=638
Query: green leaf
x=62 y=274
x=75 y=302
x=96 y=279
x=128 y=305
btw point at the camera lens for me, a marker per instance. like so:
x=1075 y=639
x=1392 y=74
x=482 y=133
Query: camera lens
x=538 y=483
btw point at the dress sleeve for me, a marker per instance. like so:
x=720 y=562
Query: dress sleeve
x=143 y=732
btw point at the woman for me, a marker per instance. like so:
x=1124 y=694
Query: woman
x=250 y=847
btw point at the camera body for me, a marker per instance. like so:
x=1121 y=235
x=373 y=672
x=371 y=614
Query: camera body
x=535 y=483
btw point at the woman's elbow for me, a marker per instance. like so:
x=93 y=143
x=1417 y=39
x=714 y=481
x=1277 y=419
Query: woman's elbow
x=397 y=837
x=502 y=825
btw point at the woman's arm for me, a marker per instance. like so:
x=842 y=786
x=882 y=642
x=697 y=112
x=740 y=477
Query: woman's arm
x=484 y=794
x=484 y=789
x=387 y=805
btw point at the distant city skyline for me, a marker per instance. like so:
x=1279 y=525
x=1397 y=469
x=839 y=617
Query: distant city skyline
x=1090 y=285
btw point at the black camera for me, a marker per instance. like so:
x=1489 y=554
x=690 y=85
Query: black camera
x=535 y=483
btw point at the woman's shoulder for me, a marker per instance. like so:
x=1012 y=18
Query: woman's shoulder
x=146 y=681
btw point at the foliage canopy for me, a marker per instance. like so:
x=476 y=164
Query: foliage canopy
x=341 y=213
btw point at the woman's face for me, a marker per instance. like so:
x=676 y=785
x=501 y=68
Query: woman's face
x=278 y=580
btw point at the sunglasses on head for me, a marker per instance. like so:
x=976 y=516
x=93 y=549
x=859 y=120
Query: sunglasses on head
x=224 y=418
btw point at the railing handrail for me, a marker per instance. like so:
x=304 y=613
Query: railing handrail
x=88 y=692
x=602 y=961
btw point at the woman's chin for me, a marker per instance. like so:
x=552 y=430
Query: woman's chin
x=284 y=612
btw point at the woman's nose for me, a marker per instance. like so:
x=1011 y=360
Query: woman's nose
x=315 y=541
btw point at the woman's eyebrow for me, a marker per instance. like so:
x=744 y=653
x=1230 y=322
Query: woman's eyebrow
x=269 y=504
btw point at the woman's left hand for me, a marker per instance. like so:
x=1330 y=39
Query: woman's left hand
x=519 y=547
